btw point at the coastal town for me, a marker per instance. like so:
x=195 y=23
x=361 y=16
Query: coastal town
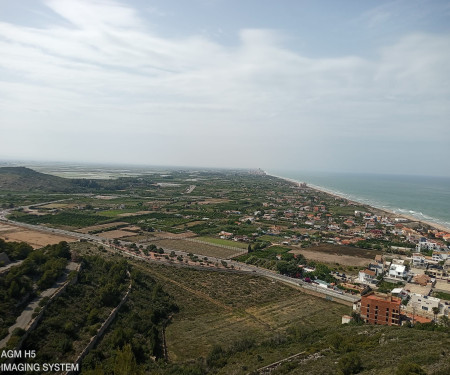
x=272 y=258
x=338 y=246
x=410 y=276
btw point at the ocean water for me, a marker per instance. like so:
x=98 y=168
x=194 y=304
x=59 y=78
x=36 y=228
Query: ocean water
x=426 y=198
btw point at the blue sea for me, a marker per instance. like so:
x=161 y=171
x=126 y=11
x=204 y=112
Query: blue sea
x=426 y=198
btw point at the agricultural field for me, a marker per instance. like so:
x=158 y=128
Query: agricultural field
x=344 y=250
x=35 y=238
x=220 y=241
x=312 y=254
x=338 y=254
x=64 y=219
x=268 y=253
x=221 y=308
x=102 y=227
x=52 y=206
x=123 y=213
x=213 y=201
x=208 y=250
x=239 y=323
x=117 y=233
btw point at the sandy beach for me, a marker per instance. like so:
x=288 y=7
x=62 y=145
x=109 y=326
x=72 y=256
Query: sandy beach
x=385 y=212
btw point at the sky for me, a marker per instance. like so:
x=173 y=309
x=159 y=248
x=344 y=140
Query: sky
x=313 y=85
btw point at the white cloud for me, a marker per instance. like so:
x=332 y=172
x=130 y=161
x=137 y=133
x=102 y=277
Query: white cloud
x=106 y=71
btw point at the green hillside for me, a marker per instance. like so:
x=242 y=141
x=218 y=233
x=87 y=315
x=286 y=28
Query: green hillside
x=26 y=179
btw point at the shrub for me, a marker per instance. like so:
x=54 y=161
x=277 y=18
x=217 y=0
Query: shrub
x=19 y=332
x=408 y=368
x=350 y=364
x=217 y=357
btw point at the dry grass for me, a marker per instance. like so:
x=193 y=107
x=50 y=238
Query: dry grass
x=58 y=205
x=345 y=250
x=344 y=255
x=126 y=214
x=222 y=308
x=213 y=201
x=101 y=227
x=345 y=260
x=35 y=238
x=208 y=250
x=119 y=233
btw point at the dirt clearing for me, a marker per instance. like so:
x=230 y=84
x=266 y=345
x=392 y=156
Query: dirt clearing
x=35 y=238
x=344 y=260
x=101 y=227
x=345 y=255
x=199 y=248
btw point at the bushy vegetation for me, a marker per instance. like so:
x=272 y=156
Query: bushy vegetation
x=137 y=330
x=15 y=250
x=66 y=218
x=38 y=271
x=442 y=295
x=379 y=244
x=72 y=318
x=386 y=287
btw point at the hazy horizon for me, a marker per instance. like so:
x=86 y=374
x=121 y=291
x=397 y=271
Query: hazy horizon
x=350 y=86
x=271 y=171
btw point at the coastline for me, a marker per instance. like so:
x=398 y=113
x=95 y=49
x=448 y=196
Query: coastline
x=388 y=213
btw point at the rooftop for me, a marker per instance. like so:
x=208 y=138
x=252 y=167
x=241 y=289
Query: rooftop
x=375 y=296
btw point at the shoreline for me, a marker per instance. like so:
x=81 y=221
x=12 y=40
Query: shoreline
x=388 y=213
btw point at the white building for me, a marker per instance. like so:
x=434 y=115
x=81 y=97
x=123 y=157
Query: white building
x=367 y=276
x=377 y=267
x=439 y=256
x=419 y=260
x=400 y=292
x=427 y=245
x=397 y=271
x=424 y=303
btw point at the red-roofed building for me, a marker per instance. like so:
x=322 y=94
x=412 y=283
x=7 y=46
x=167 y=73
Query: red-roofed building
x=379 y=308
x=367 y=276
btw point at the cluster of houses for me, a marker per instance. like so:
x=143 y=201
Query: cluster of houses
x=230 y=236
x=415 y=280
x=421 y=267
x=389 y=309
x=304 y=210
